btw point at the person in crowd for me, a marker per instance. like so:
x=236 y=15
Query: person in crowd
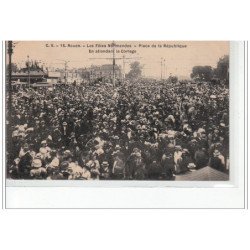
x=104 y=171
x=200 y=157
x=178 y=159
x=217 y=161
x=167 y=161
x=37 y=170
x=118 y=170
x=24 y=165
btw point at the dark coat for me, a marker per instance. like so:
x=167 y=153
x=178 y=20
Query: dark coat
x=24 y=165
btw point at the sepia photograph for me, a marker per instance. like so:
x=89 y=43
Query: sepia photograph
x=117 y=110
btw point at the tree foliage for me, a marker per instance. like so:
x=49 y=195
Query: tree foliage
x=221 y=71
x=14 y=67
x=172 y=79
x=135 y=70
x=207 y=73
x=202 y=73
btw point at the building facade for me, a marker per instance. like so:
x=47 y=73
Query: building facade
x=101 y=73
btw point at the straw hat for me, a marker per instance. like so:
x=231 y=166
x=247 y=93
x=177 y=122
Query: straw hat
x=105 y=164
x=178 y=147
x=37 y=163
x=216 y=152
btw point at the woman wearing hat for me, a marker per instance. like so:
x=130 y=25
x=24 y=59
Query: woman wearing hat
x=53 y=161
x=37 y=171
x=44 y=150
x=178 y=159
x=94 y=167
x=118 y=169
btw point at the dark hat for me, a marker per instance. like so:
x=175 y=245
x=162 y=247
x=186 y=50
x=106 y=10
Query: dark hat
x=64 y=165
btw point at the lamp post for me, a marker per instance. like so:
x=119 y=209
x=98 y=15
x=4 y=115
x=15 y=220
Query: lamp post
x=28 y=57
x=9 y=113
x=10 y=52
x=161 y=68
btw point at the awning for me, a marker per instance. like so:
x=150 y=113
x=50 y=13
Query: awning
x=203 y=174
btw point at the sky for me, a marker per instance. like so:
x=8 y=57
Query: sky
x=180 y=56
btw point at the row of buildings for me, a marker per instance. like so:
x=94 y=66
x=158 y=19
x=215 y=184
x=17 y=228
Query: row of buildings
x=38 y=75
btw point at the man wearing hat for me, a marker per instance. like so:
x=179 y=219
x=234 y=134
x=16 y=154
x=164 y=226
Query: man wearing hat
x=133 y=162
x=78 y=128
x=217 y=161
x=56 y=136
x=104 y=171
x=65 y=132
x=24 y=165
x=186 y=160
x=201 y=157
x=167 y=161
x=155 y=171
x=15 y=145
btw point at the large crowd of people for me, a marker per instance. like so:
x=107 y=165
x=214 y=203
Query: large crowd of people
x=144 y=130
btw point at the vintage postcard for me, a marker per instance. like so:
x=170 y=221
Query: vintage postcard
x=117 y=110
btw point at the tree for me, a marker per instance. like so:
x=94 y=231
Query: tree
x=135 y=70
x=222 y=69
x=202 y=73
x=172 y=79
x=13 y=67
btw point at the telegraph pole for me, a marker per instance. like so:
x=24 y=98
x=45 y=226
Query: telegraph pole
x=10 y=52
x=114 y=59
x=65 y=72
x=123 y=69
x=166 y=71
x=65 y=68
x=113 y=63
x=164 y=68
x=28 y=71
x=161 y=68
x=9 y=117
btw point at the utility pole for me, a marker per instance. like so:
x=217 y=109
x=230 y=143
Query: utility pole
x=65 y=68
x=144 y=70
x=9 y=117
x=123 y=69
x=10 y=52
x=113 y=44
x=166 y=71
x=161 y=68
x=124 y=64
x=164 y=68
x=65 y=72
x=114 y=59
x=28 y=71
